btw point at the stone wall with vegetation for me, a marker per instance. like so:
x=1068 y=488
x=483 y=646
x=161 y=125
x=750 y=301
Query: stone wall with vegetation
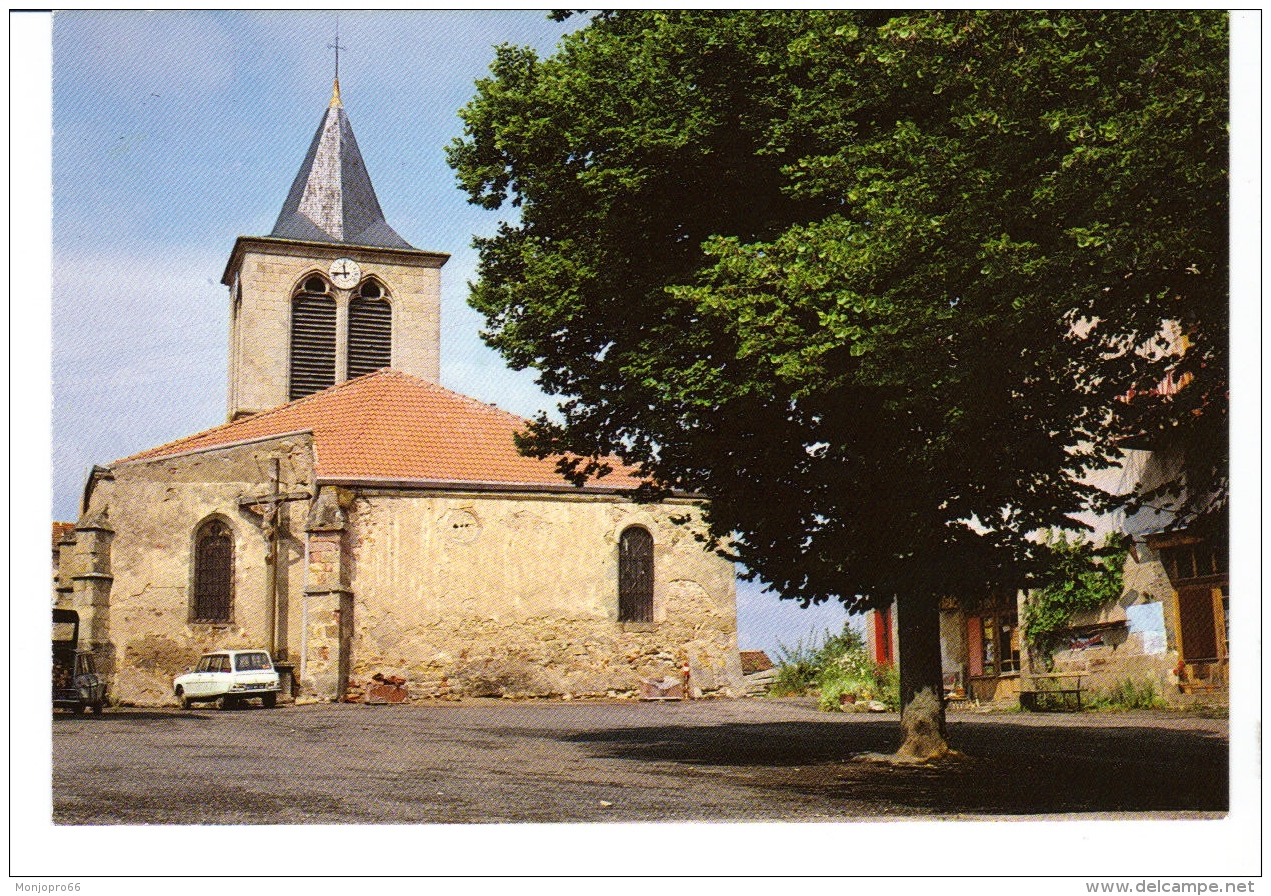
x=1113 y=619
x=1129 y=653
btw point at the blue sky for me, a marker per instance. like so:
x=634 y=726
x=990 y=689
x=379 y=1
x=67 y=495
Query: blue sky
x=175 y=132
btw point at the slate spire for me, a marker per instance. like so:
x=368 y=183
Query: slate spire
x=331 y=199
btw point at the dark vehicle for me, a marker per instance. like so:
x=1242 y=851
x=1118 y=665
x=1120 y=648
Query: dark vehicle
x=76 y=684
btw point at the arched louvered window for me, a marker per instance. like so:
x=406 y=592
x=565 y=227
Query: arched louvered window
x=635 y=575
x=312 y=339
x=213 y=573
x=370 y=331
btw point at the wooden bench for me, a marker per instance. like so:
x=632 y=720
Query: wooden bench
x=1033 y=689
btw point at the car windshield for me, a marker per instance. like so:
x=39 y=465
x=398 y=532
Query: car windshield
x=252 y=662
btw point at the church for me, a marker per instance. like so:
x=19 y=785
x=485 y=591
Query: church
x=358 y=519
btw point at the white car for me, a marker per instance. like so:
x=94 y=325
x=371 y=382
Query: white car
x=227 y=677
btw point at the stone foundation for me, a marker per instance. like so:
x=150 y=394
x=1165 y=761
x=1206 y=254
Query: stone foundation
x=542 y=657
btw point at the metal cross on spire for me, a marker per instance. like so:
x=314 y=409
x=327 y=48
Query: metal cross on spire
x=336 y=46
x=335 y=93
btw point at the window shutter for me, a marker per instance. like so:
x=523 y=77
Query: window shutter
x=1196 y=623
x=975 y=644
x=882 y=636
x=370 y=336
x=312 y=345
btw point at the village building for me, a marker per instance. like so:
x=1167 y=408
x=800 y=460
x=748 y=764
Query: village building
x=60 y=531
x=1168 y=630
x=982 y=650
x=358 y=519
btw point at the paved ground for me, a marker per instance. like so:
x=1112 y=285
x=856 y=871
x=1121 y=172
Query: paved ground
x=503 y=761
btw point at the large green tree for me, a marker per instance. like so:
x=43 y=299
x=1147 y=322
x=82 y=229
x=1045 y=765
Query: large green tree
x=876 y=284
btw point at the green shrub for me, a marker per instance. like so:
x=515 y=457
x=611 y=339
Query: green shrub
x=839 y=665
x=856 y=674
x=847 y=641
x=835 y=681
x=889 y=684
x=797 y=669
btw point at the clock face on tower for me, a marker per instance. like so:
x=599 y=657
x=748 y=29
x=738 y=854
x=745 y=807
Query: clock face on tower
x=345 y=273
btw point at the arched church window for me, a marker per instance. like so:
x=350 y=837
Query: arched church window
x=370 y=330
x=312 y=339
x=213 y=573
x=635 y=575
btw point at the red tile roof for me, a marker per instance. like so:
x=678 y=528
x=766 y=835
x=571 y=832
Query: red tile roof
x=388 y=425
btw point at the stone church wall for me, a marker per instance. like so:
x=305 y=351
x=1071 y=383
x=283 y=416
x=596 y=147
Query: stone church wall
x=154 y=509
x=477 y=594
x=516 y=596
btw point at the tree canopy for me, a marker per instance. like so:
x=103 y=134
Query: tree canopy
x=877 y=284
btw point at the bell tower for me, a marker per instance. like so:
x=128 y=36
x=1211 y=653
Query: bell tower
x=332 y=292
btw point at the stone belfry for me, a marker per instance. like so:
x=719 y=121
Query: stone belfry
x=333 y=292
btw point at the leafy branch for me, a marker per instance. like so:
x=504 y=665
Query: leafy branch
x=1077 y=577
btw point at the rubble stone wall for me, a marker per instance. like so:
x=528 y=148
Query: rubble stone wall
x=477 y=595
x=487 y=595
x=1127 y=655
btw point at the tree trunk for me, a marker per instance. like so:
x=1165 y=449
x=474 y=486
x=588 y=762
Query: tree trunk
x=921 y=680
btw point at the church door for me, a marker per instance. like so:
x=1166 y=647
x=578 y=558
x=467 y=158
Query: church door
x=635 y=575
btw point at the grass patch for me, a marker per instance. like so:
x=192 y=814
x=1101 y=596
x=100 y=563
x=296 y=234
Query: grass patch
x=1128 y=694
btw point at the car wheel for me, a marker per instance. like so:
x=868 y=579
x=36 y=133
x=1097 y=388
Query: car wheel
x=98 y=707
x=182 y=699
x=225 y=702
x=269 y=701
x=78 y=709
